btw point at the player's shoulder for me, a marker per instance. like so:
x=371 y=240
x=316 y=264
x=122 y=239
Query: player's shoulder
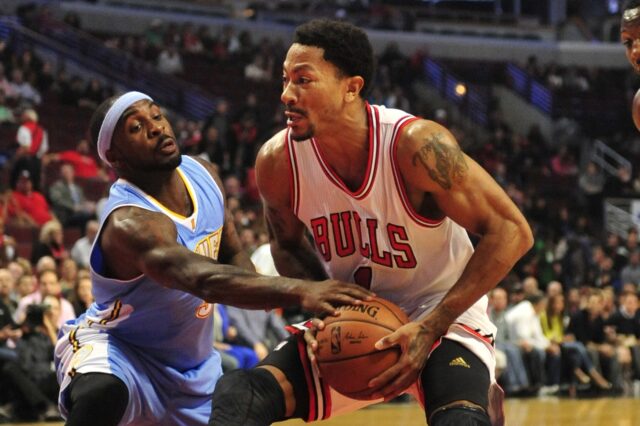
x=272 y=166
x=421 y=131
x=275 y=147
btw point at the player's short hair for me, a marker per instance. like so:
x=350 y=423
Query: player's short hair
x=97 y=118
x=345 y=46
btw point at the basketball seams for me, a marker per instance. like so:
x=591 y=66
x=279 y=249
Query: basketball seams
x=361 y=321
x=392 y=348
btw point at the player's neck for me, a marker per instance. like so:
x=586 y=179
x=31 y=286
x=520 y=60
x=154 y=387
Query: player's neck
x=167 y=187
x=345 y=146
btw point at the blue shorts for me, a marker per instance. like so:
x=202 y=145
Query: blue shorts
x=158 y=394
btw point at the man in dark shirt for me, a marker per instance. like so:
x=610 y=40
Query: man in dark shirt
x=625 y=323
x=588 y=326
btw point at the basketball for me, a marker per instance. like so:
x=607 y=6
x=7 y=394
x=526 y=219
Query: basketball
x=346 y=354
x=635 y=110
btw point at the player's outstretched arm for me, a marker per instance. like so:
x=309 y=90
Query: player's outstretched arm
x=292 y=253
x=137 y=241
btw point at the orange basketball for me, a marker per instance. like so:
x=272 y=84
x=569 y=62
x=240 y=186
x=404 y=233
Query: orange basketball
x=346 y=354
x=635 y=110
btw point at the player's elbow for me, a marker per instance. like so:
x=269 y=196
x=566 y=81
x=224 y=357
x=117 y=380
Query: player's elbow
x=524 y=237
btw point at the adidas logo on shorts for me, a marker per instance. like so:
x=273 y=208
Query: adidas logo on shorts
x=459 y=362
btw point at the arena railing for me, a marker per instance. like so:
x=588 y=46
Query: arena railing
x=69 y=44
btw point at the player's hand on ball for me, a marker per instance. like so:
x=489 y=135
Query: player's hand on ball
x=312 y=343
x=415 y=341
x=323 y=297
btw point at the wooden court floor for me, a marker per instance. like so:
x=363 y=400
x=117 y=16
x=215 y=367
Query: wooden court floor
x=519 y=412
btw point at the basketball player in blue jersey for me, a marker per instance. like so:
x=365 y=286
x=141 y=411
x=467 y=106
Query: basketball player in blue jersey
x=388 y=199
x=166 y=249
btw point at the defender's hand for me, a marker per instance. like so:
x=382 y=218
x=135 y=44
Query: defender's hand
x=323 y=297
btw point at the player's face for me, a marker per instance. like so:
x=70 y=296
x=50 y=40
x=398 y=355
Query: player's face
x=630 y=37
x=312 y=91
x=144 y=140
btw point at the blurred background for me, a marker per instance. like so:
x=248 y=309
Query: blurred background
x=538 y=92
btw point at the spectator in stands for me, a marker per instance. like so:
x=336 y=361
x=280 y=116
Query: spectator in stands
x=591 y=183
x=25 y=285
x=260 y=69
x=626 y=328
x=170 y=61
x=84 y=164
x=68 y=273
x=631 y=272
x=31 y=376
x=82 y=297
x=588 y=326
x=49 y=285
x=514 y=378
x=81 y=250
x=50 y=243
x=5 y=84
x=28 y=207
x=259 y=330
x=525 y=329
x=6 y=113
x=68 y=200
x=33 y=144
x=27 y=94
x=233 y=356
x=8 y=244
x=574 y=353
x=7 y=290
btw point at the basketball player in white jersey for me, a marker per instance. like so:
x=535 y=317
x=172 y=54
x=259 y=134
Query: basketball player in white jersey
x=388 y=199
x=143 y=352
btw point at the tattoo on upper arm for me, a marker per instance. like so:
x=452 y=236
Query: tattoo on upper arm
x=444 y=163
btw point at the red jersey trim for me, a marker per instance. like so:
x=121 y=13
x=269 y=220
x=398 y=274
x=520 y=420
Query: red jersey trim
x=372 y=161
x=488 y=339
x=294 y=187
x=417 y=218
x=302 y=350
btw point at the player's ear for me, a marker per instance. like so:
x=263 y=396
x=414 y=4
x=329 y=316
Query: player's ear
x=114 y=157
x=354 y=86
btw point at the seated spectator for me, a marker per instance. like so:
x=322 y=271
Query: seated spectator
x=50 y=243
x=28 y=206
x=7 y=294
x=6 y=113
x=25 y=285
x=537 y=351
x=625 y=323
x=631 y=271
x=33 y=144
x=81 y=250
x=68 y=273
x=25 y=91
x=514 y=377
x=32 y=377
x=170 y=61
x=49 y=285
x=588 y=326
x=68 y=200
x=573 y=352
x=259 y=330
x=82 y=297
x=84 y=165
x=233 y=356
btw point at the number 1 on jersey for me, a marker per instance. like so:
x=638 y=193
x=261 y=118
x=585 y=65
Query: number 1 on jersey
x=363 y=277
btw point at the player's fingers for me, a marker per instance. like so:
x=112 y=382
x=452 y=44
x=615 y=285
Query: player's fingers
x=327 y=308
x=382 y=379
x=358 y=292
x=387 y=341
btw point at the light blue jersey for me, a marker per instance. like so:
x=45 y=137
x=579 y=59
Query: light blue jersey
x=159 y=341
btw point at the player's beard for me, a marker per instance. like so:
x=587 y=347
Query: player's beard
x=304 y=136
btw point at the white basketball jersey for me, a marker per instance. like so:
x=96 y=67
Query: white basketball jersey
x=373 y=236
